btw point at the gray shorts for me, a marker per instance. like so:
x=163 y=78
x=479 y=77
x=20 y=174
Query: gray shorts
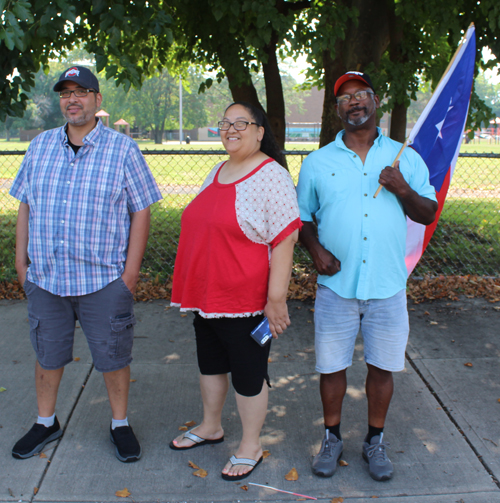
x=383 y=323
x=106 y=317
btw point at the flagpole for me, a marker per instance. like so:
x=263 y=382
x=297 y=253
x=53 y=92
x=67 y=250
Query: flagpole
x=393 y=165
x=405 y=144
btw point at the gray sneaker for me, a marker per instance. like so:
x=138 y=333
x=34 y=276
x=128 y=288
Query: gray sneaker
x=325 y=462
x=379 y=465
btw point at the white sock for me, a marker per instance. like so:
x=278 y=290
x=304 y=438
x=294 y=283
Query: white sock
x=116 y=423
x=46 y=421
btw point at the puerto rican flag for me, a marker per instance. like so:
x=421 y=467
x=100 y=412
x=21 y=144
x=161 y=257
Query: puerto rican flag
x=437 y=137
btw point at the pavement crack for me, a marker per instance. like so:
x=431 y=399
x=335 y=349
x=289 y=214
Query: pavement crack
x=54 y=449
x=452 y=419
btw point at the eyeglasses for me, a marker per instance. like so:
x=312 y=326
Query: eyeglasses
x=79 y=93
x=238 y=125
x=359 y=95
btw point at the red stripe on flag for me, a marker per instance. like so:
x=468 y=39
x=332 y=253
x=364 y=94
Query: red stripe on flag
x=441 y=196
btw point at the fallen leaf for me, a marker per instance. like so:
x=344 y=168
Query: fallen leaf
x=2 y=390
x=498 y=400
x=269 y=360
x=124 y=493
x=183 y=428
x=192 y=465
x=133 y=380
x=43 y=455
x=245 y=488
x=189 y=424
x=343 y=463
x=266 y=454
x=337 y=500
x=427 y=313
x=200 y=473
x=468 y=364
x=183 y=315
x=292 y=475
x=35 y=490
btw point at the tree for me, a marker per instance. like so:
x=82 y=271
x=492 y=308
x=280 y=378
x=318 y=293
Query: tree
x=399 y=41
x=237 y=39
x=122 y=34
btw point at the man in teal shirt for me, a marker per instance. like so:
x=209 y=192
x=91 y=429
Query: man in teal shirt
x=358 y=249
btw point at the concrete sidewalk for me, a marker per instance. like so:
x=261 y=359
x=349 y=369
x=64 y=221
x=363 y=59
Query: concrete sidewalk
x=443 y=426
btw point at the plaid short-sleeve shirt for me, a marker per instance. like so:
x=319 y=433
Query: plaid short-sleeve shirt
x=80 y=207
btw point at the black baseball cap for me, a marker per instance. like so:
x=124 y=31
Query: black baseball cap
x=363 y=77
x=79 y=74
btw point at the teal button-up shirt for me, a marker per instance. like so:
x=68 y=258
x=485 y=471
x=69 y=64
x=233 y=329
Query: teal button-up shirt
x=367 y=235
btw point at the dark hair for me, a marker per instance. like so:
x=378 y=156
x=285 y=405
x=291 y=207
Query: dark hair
x=268 y=145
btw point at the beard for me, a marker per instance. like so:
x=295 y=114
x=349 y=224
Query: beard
x=80 y=120
x=358 y=121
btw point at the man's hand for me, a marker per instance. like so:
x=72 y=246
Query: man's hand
x=392 y=179
x=277 y=315
x=21 y=274
x=420 y=209
x=325 y=262
x=130 y=281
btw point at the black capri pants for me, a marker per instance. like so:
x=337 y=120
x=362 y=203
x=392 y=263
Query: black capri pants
x=224 y=345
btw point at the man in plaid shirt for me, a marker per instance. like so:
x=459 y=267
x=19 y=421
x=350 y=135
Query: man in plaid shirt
x=82 y=229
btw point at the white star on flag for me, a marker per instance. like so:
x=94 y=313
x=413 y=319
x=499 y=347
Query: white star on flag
x=439 y=125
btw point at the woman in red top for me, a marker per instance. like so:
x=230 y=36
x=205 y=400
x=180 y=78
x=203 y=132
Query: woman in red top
x=233 y=267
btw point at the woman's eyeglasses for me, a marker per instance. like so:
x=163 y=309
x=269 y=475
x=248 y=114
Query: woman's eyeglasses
x=238 y=125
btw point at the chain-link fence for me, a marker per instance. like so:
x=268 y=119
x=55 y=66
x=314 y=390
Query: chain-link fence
x=467 y=239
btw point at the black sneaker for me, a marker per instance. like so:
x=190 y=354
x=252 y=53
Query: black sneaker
x=35 y=440
x=128 y=448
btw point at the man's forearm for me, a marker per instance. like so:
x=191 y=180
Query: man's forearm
x=419 y=209
x=22 y=238
x=139 y=233
x=308 y=237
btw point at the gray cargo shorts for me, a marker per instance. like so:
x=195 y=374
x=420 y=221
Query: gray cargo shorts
x=106 y=317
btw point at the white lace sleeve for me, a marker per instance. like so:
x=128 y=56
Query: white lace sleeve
x=266 y=204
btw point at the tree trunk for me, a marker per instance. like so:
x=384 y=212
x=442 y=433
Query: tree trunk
x=274 y=93
x=158 y=135
x=364 y=44
x=398 y=122
x=396 y=55
x=242 y=88
x=330 y=121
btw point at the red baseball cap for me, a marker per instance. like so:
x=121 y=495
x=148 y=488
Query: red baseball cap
x=363 y=77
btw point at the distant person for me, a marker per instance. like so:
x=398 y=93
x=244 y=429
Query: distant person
x=358 y=250
x=82 y=228
x=233 y=267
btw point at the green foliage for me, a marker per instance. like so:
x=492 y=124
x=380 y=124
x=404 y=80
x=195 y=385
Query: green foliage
x=132 y=36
